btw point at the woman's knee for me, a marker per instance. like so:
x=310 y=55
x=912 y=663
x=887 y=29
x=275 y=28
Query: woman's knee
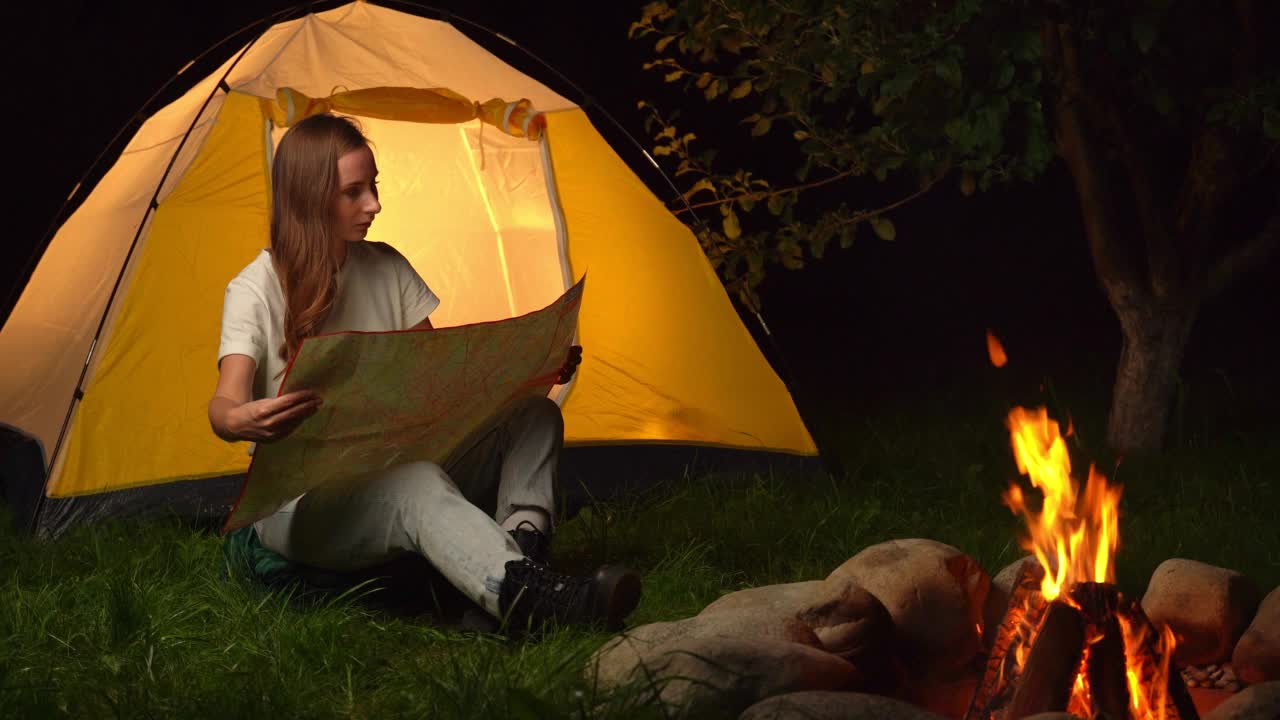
x=542 y=410
x=416 y=480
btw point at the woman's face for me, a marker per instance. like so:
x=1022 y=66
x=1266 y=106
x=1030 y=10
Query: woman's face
x=357 y=200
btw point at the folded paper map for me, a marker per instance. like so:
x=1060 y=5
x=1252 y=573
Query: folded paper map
x=403 y=396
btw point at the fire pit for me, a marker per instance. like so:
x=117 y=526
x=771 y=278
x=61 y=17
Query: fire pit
x=1069 y=640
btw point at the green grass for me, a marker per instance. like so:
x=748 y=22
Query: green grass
x=140 y=620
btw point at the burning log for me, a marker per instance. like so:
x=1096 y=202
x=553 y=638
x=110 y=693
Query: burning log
x=1105 y=669
x=1013 y=639
x=1175 y=701
x=1108 y=679
x=1050 y=671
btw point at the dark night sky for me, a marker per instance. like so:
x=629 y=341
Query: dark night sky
x=876 y=318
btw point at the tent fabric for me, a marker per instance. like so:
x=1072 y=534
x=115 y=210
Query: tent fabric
x=422 y=105
x=498 y=224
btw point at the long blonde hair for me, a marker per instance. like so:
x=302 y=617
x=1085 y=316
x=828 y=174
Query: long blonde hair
x=304 y=183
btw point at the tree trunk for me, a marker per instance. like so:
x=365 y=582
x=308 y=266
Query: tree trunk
x=1154 y=340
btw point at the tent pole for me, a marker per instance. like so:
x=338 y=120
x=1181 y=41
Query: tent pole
x=78 y=394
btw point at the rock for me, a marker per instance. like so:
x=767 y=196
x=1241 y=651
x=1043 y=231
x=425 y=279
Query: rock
x=1257 y=654
x=1207 y=607
x=693 y=675
x=817 y=705
x=1256 y=702
x=933 y=592
x=780 y=597
x=851 y=623
x=615 y=661
x=997 y=600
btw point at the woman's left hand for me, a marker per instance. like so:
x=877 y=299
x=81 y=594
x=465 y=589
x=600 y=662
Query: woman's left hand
x=570 y=364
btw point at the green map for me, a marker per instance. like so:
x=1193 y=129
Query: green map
x=403 y=396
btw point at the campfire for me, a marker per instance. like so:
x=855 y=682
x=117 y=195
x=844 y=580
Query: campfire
x=1069 y=640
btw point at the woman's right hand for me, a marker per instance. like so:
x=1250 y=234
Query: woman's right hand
x=270 y=419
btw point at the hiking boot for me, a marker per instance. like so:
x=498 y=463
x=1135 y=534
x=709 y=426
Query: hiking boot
x=532 y=594
x=535 y=544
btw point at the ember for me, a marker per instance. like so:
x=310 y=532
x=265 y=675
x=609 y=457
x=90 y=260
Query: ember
x=1069 y=641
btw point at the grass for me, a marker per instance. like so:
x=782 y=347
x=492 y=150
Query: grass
x=140 y=620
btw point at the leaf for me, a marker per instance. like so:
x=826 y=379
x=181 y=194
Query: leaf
x=703 y=184
x=949 y=70
x=800 y=135
x=714 y=89
x=641 y=105
x=881 y=105
x=846 y=236
x=899 y=85
x=732 y=229
x=1006 y=75
x=742 y=90
x=1144 y=34
x=828 y=74
x=663 y=43
x=1271 y=123
x=703 y=81
x=762 y=126
x=662 y=150
x=688 y=138
x=868 y=67
x=667 y=132
x=883 y=228
x=776 y=203
x=967 y=184
x=673 y=75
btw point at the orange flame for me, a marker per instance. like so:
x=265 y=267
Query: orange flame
x=995 y=350
x=1148 y=676
x=1074 y=538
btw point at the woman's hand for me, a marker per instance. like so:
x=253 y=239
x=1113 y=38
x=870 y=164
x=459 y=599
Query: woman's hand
x=570 y=364
x=270 y=419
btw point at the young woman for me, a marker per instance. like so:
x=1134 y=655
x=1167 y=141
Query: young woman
x=319 y=276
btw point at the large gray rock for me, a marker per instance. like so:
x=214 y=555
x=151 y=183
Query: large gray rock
x=933 y=592
x=817 y=705
x=850 y=622
x=785 y=596
x=1257 y=654
x=616 y=661
x=1256 y=702
x=1206 y=606
x=690 y=676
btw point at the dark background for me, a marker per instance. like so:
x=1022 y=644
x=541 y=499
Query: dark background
x=866 y=329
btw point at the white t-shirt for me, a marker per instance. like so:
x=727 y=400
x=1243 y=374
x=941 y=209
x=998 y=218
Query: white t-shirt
x=378 y=290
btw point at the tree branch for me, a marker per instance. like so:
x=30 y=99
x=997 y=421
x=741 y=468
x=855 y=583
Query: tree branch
x=1164 y=268
x=860 y=216
x=1078 y=148
x=1217 y=164
x=1249 y=256
x=757 y=196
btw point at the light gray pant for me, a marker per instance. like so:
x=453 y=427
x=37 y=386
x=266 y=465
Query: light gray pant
x=449 y=515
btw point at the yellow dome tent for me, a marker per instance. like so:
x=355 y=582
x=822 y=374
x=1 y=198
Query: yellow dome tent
x=497 y=189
